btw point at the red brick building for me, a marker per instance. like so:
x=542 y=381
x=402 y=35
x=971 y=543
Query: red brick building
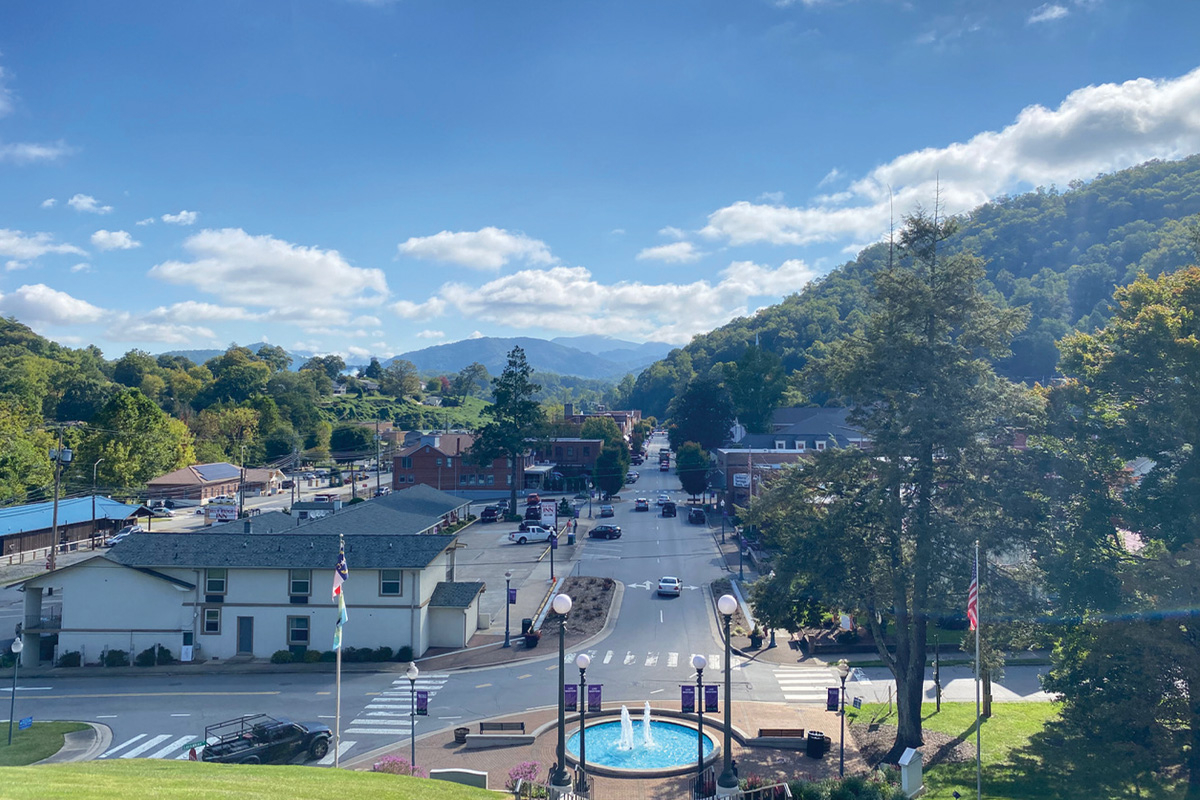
x=440 y=460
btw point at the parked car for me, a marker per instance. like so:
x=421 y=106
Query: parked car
x=162 y=511
x=287 y=484
x=696 y=516
x=533 y=499
x=637 y=459
x=489 y=514
x=122 y=534
x=670 y=586
x=668 y=509
x=533 y=513
x=260 y=739
x=607 y=511
x=533 y=533
x=641 y=504
x=605 y=531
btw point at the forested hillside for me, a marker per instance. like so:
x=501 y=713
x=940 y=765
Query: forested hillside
x=1060 y=253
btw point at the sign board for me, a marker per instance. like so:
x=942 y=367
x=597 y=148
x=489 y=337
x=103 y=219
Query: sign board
x=549 y=511
x=512 y=597
x=857 y=702
x=185 y=653
x=26 y=722
x=687 y=698
x=571 y=696
x=593 y=698
x=222 y=512
x=831 y=698
x=710 y=699
x=422 y=703
x=741 y=480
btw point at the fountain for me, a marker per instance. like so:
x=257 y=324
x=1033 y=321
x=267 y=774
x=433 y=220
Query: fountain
x=663 y=745
x=626 y=740
x=647 y=738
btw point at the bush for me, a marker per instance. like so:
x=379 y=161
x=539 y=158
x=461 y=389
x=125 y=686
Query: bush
x=282 y=657
x=396 y=765
x=116 y=658
x=328 y=656
x=164 y=656
x=312 y=656
x=525 y=771
x=382 y=654
x=151 y=657
x=405 y=653
x=71 y=658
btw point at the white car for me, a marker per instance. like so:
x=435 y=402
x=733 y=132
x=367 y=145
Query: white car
x=122 y=534
x=162 y=511
x=670 y=586
x=534 y=533
x=663 y=498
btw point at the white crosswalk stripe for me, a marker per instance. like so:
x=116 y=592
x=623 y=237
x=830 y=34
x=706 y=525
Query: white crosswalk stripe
x=173 y=746
x=154 y=747
x=122 y=745
x=390 y=713
x=805 y=685
x=341 y=751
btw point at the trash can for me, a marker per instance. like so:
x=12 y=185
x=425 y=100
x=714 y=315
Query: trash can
x=571 y=537
x=460 y=735
x=526 y=625
x=816 y=744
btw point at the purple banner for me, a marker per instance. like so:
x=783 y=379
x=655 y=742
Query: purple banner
x=593 y=699
x=571 y=696
x=710 y=699
x=422 y=703
x=687 y=698
x=512 y=597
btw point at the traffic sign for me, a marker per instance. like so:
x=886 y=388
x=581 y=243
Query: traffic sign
x=27 y=722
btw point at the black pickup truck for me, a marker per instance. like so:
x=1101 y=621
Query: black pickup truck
x=260 y=739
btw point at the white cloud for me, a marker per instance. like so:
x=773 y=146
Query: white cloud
x=26 y=247
x=1095 y=129
x=358 y=352
x=366 y=320
x=29 y=152
x=195 y=311
x=774 y=198
x=487 y=248
x=6 y=103
x=114 y=240
x=182 y=218
x=618 y=231
x=89 y=204
x=13 y=266
x=300 y=284
x=146 y=221
x=476 y=335
x=127 y=328
x=49 y=202
x=433 y=307
x=830 y=177
x=39 y=303
x=1046 y=13
x=673 y=232
x=428 y=334
x=82 y=267
x=674 y=253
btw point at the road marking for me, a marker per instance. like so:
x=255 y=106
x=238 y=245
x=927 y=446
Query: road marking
x=486 y=685
x=608 y=657
x=156 y=694
x=324 y=692
x=714 y=661
x=381 y=731
x=180 y=742
x=656 y=691
x=552 y=666
x=387 y=713
x=341 y=751
x=181 y=715
x=672 y=659
x=660 y=616
x=386 y=705
x=27 y=689
x=523 y=677
x=652 y=659
x=376 y=721
x=146 y=745
x=629 y=658
x=326 y=716
x=122 y=745
x=106 y=716
x=458 y=717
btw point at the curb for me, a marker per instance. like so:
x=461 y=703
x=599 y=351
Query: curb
x=81 y=745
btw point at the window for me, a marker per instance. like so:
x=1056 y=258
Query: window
x=820 y=445
x=406 y=462
x=212 y=621
x=570 y=452
x=800 y=446
x=462 y=480
x=297 y=628
x=491 y=480
x=300 y=581
x=439 y=460
x=780 y=444
x=558 y=452
x=508 y=480
x=214 y=581
x=587 y=451
x=449 y=461
x=389 y=581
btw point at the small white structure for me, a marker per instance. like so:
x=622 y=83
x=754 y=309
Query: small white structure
x=911 y=782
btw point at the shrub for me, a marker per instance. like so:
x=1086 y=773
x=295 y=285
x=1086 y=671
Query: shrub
x=405 y=653
x=312 y=656
x=328 y=656
x=145 y=658
x=71 y=658
x=164 y=656
x=396 y=765
x=282 y=657
x=116 y=658
x=525 y=771
x=382 y=654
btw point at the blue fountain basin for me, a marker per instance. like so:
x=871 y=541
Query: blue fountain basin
x=674 y=746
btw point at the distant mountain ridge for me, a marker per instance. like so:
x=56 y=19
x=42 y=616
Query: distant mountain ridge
x=596 y=357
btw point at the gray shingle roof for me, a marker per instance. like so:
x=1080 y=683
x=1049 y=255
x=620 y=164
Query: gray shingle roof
x=277 y=551
x=455 y=594
x=421 y=499
x=270 y=522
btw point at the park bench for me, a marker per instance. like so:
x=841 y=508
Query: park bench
x=488 y=727
x=781 y=733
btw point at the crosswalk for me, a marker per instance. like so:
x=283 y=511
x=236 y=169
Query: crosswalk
x=805 y=684
x=643 y=658
x=145 y=745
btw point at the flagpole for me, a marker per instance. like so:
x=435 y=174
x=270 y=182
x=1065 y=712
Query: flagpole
x=978 y=732
x=337 y=721
x=340 y=574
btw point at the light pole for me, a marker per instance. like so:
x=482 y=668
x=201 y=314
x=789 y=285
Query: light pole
x=61 y=455
x=242 y=484
x=411 y=673
x=700 y=662
x=726 y=605
x=722 y=522
x=741 y=547
x=560 y=779
x=583 y=660
x=843 y=669
x=17 y=647
x=94 y=466
x=507 y=605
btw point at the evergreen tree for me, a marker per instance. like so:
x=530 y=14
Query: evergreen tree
x=514 y=419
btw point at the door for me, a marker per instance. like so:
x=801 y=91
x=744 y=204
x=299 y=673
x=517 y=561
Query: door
x=245 y=634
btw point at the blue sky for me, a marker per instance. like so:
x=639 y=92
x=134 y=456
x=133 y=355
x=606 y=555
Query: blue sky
x=368 y=178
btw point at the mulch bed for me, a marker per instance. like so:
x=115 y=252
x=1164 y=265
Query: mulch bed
x=939 y=748
x=590 y=601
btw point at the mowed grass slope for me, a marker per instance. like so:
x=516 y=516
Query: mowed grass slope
x=147 y=779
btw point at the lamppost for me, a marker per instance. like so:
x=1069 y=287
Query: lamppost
x=722 y=522
x=94 y=466
x=242 y=484
x=741 y=548
x=700 y=662
x=412 y=674
x=17 y=647
x=507 y=605
x=60 y=455
x=561 y=779
x=726 y=605
x=583 y=660
x=843 y=669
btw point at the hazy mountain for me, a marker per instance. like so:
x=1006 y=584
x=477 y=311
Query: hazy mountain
x=557 y=356
x=200 y=356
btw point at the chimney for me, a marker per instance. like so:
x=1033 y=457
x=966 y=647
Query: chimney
x=568 y=410
x=248 y=527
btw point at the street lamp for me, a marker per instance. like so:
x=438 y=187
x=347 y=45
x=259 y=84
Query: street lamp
x=700 y=662
x=560 y=779
x=507 y=605
x=17 y=647
x=726 y=605
x=412 y=674
x=94 y=466
x=722 y=522
x=583 y=660
x=843 y=670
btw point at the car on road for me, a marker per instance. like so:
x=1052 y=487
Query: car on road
x=670 y=586
x=663 y=498
x=607 y=511
x=664 y=466
x=533 y=499
x=641 y=504
x=535 y=533
x=668 y=509
x=605 y=531
x=489 y=514
x=696 y=516
x=162 y=511
x=122 y=534
x=260 y=739
x=637 y=459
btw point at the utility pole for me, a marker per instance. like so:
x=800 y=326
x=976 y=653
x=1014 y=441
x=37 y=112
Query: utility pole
x=94 y=466
x=60 y=455
x=378 y=463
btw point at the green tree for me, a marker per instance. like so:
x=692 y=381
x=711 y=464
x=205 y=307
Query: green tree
x=137 y=441
x=132 y=368
x=348 y=440
x=332 y=366
x=23 y=447
x=514 y=419
x=702 y=414
x=691 y=464
x=886 y=534
x=609 y=472
x=400 y=379
x=374 y=370
x=756 y=385
x=274 y=356
x=470 y=380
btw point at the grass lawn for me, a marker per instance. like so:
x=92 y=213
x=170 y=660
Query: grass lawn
x=1026 y=756
x=148 y=779
x=43 y=740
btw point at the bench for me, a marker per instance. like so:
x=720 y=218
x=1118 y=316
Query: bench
x=487 y=727
x=781 y=733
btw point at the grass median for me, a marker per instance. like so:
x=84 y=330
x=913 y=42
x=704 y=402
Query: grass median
x=29 y=746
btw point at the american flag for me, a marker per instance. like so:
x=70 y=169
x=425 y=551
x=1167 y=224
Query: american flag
x=340 y=572
x=973 y=596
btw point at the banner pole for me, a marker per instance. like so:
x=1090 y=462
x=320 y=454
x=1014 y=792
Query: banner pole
x=978 y=732
x=337 y=722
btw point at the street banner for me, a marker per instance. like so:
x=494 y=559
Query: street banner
x=832 y=695
x=422 y=703
x=571 y=696
x=512 y=597
x=710 y=699
x=687 y=699
x=593 y=698
x=553 y=541
x=858 y=702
